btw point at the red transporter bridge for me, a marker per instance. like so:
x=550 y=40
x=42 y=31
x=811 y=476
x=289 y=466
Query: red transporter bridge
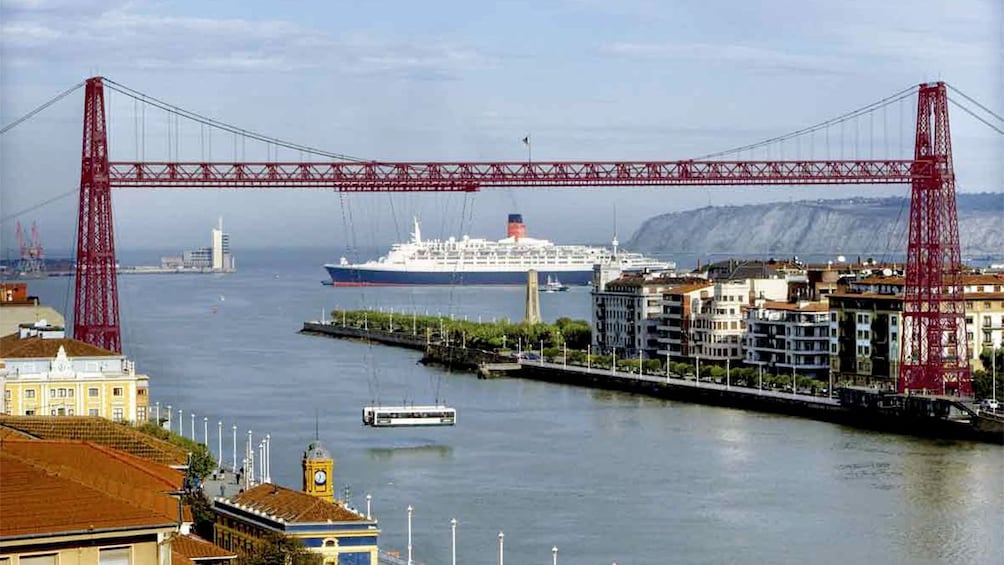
x=934 y=354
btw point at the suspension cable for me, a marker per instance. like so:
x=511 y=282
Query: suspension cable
x=52 y=101
x=178 y=111
x=906 y=92
x=23 y=211
x=981 y=106
x=973 y=114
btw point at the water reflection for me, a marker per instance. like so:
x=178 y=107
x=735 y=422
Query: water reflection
x=410 y=452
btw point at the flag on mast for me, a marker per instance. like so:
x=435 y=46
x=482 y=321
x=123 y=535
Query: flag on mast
x=526 y=140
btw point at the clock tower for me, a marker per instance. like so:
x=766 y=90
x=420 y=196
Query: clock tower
x=317 y=470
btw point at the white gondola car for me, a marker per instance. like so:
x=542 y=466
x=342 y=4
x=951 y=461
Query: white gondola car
x=391 y=416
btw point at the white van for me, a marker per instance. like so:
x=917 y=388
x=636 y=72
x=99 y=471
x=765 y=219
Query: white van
x=989 y=405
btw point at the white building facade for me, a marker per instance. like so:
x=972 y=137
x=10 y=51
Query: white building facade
x=789 y=337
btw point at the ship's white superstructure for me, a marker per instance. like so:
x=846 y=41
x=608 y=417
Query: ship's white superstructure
x=482 y=261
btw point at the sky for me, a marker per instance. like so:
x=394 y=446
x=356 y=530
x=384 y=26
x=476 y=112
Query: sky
x=455 y=81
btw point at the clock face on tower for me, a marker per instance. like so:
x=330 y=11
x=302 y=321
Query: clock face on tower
x=320 y=477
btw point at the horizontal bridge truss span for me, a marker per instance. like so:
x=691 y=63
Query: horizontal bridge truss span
x=466 y=177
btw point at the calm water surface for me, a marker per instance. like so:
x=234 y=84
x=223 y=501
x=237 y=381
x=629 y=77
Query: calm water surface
x=604 y=476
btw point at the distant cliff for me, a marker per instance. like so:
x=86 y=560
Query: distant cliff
x=873 y=227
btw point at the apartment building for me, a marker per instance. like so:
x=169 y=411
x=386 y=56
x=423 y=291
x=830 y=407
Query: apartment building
x=719 y=319
x=866 y=326
x=42 y=372
x=626 y=313
x=788 y=337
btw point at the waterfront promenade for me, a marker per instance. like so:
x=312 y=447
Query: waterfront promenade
x=958 y=422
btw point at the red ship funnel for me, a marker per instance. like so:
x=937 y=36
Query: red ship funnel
x=516 y=227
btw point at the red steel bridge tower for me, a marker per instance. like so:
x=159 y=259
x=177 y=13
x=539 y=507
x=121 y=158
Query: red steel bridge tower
x=96 y=296
x=934 y=357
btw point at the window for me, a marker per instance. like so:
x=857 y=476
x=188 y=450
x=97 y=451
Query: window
x=29 y=393
x=69 y=411
x=92 y=392
x=117 y=391
x=62 y=393
x=46 y=559
x=117 y=414
x=52 y=393
x=115 y=556
x=29 y=412
x=92 y=412
x=69 y=392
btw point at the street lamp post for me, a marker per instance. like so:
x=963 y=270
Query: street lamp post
x=169 y=417
x=234 y=459
x=205 y=431
x=501 y=546
x=191 y=428
x=993 y=375
x=369 y=499
x=554 y=555
x=410 y=509
x=219 y=440
x=453 y=540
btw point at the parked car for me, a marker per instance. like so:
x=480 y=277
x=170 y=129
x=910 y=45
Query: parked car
x=989 y=404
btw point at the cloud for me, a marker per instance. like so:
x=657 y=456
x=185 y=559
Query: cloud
x=735 y=54
x=125 y=35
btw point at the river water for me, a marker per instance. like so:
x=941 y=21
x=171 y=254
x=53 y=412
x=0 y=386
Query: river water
x=603 y=476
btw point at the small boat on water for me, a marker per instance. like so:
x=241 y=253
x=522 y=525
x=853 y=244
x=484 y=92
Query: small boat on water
x=553 y=285
x=396 y=416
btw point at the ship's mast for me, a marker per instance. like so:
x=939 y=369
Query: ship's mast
x=416 y=236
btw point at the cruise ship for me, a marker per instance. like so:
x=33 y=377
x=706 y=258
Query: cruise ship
x=475 y=261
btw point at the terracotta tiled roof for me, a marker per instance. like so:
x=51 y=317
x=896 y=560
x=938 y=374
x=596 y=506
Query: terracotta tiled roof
x=293 y=505
x=983 y=279
x=100 y=431
x=10 y=433
x=683 y=289
x=967 y=280
x=177 y=558
x=195 y=548
x=14 y=347
x=795 y=307
x=984 y=295
x=46 y=498
x=116 y=474
x=875 y=295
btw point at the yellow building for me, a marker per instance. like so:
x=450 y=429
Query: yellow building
x=341 y=535
x=44 y=373
x=866 y=322
x=984 y=316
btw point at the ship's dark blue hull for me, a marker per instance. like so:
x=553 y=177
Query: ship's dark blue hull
x=349 y=276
